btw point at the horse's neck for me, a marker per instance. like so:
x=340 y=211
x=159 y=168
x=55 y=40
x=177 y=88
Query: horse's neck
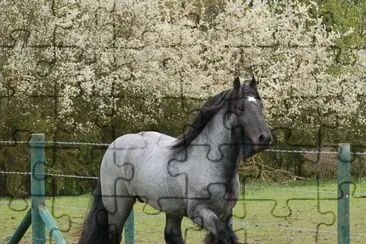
x=218 y=136
x=215 y=133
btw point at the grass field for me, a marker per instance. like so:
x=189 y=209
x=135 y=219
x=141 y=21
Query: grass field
x=268 y=213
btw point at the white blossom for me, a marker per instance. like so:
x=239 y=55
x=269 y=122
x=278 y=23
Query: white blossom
x=156 y=49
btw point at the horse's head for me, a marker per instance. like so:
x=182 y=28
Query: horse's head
x=247 y=120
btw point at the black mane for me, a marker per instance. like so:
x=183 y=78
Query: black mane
x=208 y=110
x=212 y=107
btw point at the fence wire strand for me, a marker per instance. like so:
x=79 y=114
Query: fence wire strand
x=49 y=174
x=300 y=151
x=75 y=143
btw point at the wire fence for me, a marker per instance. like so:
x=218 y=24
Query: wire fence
x=244 y=223
x=74 y=143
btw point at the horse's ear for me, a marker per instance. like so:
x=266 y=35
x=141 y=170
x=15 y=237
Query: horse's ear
x=236 y=83
x=253 y=83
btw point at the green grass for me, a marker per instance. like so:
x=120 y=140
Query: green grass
x=270 y=213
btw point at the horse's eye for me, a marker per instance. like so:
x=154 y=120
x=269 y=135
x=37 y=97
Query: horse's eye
x=241 y=108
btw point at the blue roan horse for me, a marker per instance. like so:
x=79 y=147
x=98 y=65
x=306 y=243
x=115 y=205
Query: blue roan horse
x=195 y=175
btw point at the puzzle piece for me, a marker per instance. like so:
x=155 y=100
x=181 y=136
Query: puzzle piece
x=54 y=36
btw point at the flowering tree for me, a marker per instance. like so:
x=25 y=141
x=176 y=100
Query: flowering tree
x=93 y=70
x=122 y=59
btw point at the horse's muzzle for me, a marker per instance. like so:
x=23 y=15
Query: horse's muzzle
x=264 y=141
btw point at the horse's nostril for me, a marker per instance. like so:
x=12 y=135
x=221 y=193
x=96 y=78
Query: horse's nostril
x=264 y=139
x=261 y=138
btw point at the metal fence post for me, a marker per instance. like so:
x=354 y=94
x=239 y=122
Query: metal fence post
x=344 y=181
x=37 y=186
x=21 y=229
x=130 y=229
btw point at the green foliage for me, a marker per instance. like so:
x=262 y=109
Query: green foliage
x=343 y=16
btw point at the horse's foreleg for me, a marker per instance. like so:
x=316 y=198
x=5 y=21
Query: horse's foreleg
x=220 y=233
x=172 y=232
x=229 y=224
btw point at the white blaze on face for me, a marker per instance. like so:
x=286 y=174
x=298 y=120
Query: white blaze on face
x=252 y=99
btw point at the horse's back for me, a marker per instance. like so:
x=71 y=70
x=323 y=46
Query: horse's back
x=140 y=162
x=141 y=140
x=157 y=139
x=138 y=149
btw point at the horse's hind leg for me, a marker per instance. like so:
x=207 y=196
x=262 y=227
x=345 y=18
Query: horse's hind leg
x=118 y=219
x=118 y=210
x=118 y=204
x=172 y=232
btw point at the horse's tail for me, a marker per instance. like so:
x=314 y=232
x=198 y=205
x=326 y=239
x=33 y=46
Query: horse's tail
x=95 y=229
